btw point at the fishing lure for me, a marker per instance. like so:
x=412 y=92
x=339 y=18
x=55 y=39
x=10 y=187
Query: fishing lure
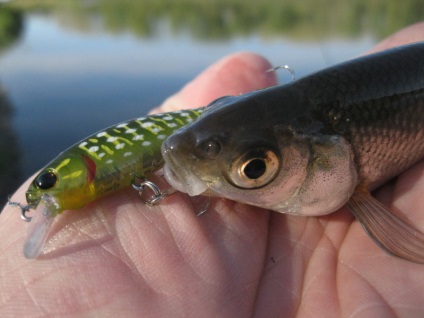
x=105 y=162
x=313 y=145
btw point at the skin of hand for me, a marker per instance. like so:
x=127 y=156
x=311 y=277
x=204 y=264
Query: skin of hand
x=119 y=257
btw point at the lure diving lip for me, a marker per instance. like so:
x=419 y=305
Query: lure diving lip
x=39 y=226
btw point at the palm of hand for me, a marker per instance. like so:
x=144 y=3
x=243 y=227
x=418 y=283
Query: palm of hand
x=119 y=256
x=234 y=260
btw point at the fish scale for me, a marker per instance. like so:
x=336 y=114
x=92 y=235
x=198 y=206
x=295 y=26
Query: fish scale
x=384 y=122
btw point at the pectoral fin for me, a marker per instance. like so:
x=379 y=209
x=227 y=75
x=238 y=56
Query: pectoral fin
x=389 y=232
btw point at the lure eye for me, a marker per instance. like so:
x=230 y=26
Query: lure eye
x=254 y=169
x=46 y=180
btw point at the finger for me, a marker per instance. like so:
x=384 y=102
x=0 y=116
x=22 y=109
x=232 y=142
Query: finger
x=232 y=75
x=410 y=34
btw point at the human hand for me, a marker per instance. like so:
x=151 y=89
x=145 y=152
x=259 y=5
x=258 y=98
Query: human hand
x=120 y=257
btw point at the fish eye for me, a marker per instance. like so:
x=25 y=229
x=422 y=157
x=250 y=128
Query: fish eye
x=46 y=180
x=254 y=169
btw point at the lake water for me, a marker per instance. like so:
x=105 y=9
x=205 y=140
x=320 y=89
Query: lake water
x=63 y=83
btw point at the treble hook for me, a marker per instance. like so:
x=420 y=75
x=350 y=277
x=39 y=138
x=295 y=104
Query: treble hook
x=158 y=195
x=205 y=208
x=293 y=75
x=24 y=209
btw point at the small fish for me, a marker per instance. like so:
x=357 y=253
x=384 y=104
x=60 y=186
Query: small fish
x=100 y=164
x=313 y=145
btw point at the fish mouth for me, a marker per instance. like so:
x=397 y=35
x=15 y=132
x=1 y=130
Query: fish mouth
x=184 y=181
x=181 y=178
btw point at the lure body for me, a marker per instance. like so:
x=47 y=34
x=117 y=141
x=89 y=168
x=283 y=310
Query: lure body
x=107 y=160
x=314 y=145
x=97 y=166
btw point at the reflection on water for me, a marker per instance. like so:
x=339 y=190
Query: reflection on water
x=10 y=173
x=10 y=25
x=220 y=19
x=80 y=66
